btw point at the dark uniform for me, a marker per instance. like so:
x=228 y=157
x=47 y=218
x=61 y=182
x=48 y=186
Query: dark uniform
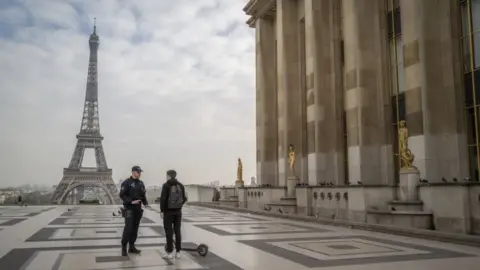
x=131 y=190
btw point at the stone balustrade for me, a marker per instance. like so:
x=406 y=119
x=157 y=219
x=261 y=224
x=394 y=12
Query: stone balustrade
x=448 y=207
x=258 y=197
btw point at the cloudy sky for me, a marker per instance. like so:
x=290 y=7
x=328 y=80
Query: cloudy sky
x=176 y=87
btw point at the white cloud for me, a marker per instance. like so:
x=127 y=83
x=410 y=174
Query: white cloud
x=176 y=87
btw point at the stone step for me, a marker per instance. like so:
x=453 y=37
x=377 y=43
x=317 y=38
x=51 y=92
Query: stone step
x=228 y=202
x=416 y=206
x=286 y=205
x=292 y=200
x=404 y=219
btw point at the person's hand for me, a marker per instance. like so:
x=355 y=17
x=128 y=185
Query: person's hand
x=161 y=215
x=136 y=202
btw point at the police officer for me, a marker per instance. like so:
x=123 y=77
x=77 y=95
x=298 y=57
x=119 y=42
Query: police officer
x=133 y=194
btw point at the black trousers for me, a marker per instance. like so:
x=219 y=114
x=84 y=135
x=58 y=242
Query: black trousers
x=132 y=222
x=172 y=222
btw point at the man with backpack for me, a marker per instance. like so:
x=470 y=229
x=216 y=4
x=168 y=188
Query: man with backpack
x=171 y=202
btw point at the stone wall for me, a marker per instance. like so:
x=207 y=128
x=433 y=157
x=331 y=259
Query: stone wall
x=227 y=192
x=343 y=202
x=304 y=201
x=198 y=193
x=257 y=197
x=455 y=207
x=474 y=195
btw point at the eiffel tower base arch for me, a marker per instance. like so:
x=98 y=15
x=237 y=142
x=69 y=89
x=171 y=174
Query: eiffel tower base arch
x=84 y=177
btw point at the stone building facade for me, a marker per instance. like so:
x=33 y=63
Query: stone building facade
x=335 y=77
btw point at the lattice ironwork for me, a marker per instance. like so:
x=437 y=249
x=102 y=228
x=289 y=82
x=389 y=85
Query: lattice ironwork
x=88 y=137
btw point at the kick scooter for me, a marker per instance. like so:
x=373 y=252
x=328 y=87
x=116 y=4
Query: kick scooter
x=201 y=249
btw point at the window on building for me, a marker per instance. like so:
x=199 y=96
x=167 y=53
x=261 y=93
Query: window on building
x=470 y=20
x=344 y=116
x=303 y=84
x=393 y=18
x=397 y=88
x=345 y=130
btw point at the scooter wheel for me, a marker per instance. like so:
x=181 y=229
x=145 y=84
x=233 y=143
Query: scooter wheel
x=202 y=250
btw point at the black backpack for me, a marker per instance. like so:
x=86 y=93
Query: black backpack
x=175 y=198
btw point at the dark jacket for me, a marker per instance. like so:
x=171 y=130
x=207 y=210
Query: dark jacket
x=166 y=192
x=131 y=190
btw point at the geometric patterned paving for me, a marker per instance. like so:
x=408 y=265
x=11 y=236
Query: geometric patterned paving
x=91 y=233
x=70 y=227
x=13 y=215
x=256 y=228
x=107 y=257
x=10 y=221
x=23 y=211
x=348 y=250
x=88 y=237
x=220 y=218
x=94 y=221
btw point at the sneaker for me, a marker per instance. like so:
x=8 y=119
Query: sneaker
x=168 y=256
x=177 y=255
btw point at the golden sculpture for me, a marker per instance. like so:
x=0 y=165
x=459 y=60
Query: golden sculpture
x=406 y=156
x=291 y=158
x=240 y=170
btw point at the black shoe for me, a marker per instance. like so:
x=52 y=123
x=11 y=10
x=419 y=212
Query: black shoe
x=124 y=251
x=133 y=249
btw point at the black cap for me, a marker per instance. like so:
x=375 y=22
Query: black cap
x=172 y=173
x=136 y=169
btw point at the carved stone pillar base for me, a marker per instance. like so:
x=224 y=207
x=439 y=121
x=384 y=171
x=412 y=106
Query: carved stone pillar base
x=409 y=179
x=239 y=183
x=291 y=184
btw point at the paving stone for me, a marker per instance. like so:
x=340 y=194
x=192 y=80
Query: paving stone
x=87 y=237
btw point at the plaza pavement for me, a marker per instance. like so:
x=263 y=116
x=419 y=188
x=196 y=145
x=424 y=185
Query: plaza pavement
x=88 y=237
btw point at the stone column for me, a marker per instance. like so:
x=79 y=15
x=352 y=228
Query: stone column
x=266 y=102
x=324 y=92
x=433 y=88
x=289 y=90
x=370 y=157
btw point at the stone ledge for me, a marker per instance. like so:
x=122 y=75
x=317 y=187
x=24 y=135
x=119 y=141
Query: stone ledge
x=272 y=187
x=441 y=184
x=407 y=202
x=228 y=200
x=288 y=199
x=282 y=203
x=349 y=186
x=470 y=240
x=389 y=212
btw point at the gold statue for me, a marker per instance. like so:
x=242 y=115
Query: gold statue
x=240 y=170
x=291 y=158
x=406 y=156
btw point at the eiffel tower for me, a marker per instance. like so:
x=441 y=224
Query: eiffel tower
x=76 y=178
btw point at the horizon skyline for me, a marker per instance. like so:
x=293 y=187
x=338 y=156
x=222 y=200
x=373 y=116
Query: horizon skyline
x=198 y=73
